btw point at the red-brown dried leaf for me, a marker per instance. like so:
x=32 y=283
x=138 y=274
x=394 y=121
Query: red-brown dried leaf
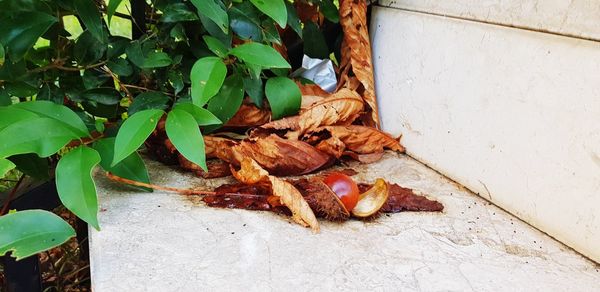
x=218 y=147
x=216 y=168
x=356 y=44
x=364 y=140
x=342 y=107
x=281 y=156
x=289 y=196
x=404 y=199
x=308 y=12
x=249 y=116
x=364 y=158
x=240 y=196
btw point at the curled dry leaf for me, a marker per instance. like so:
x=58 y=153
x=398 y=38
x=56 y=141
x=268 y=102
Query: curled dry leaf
x=218 y=147
x=342 y=107
x=364 y=140
x=364 y=158
x=249 y=116
x=371 y=201
x=281 y=156
x=332 y=146
x=216 y=167
x=353 y=18
x=289 y=196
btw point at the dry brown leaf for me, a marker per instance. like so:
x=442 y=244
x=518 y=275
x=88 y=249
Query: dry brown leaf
x=364 y=140
x=332 y=146
x=249 y=116
x=218 y=147
x=312 y=90
x=342 y=107
x=308 y=12
x=364 y=158
x=289 y=196
x=404 y=199
x=216 y=167
x=281 y=156
x=353 y=18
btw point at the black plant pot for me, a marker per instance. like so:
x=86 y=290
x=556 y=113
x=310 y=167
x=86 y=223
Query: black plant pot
x=25 y=275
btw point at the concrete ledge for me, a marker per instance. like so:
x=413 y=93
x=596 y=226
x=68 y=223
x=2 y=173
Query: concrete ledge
x=165 y=242
x=513 y=115
x=574 y=18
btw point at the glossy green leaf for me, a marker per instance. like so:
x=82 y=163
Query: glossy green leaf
x=214 y=12
x=43 y=136
x=20 y=89
x=177 y=12
x=329 y=10
x=29 y=232
x=5 y=166
x=51 y=92
x=112 y=8
x=259 y=54
x=134 y=132
x=182 y=129
x=75 y=186
x=88 y=50
x=102 y=95
x=11 y=115
x=92 y=19
x=244 y=20
x=284 y=96
x=315 y=45
x=32 y=165
x=215 y=46
x=60 y=113
x=120 y=67
x=2 y=57
x=157 y=60
x=148 y=100
x=5 y=98
x=132 y=167
x=229 y=99
x=274 y=9
x=203 y=117
x=21 y=30
x=270 y=32
x=255 y=89
x=293 y=20
x=176 y=80
x=207 y=76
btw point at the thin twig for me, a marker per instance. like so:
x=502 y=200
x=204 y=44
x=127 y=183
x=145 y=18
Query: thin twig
x=157 y=187
x=11 y=195
x=59 y=66
x=121 y=85
x=145 y=89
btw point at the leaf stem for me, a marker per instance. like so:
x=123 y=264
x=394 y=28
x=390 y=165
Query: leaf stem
x=11 y=195
x=157 y=187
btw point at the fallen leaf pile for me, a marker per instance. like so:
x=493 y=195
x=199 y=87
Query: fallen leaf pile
x=327 y=128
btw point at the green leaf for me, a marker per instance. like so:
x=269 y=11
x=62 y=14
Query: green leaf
x=21 y=30
x=11 y=115
x=182 y=130
x=50 y=92
x=20 y=89
x=177 y=12
x=29 y=232
x=245 y=21
x=132 y=167
x=5 y=166
x=329 y=10
x=94 y=78
x=60 y=113
x=148 y=100
x=270 y=32
x=112 y=8
x=134 y=132
x=315 y=45
x=91 y=18
x=255 y=89
x=214 y=30
x=293 y=21
x=176 y=80
x=120 y=67
x=229 y=99
x=75 y=186
x=1 y=55
x=284 y=96
x=43 y=136
x=178 y=33
x=259 y=54
x=215 y=46
x=274 y=9
x=157 y=59
x=32 y=165
x=214 y=12
x=207 y=76
x=5 y=98
x=88 y=49
x=102 y=95
x=203 y=117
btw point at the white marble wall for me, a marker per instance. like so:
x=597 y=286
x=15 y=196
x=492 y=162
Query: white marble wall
x=512 y=114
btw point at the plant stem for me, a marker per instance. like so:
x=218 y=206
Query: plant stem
x=145 y=89
x=11 y=195
x=157 y=187
x=59 y=66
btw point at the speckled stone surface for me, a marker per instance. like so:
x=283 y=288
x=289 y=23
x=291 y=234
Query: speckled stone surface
x=167 y=242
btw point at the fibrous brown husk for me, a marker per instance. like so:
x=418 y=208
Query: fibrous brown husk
x=356 y=53
x=251 y=173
